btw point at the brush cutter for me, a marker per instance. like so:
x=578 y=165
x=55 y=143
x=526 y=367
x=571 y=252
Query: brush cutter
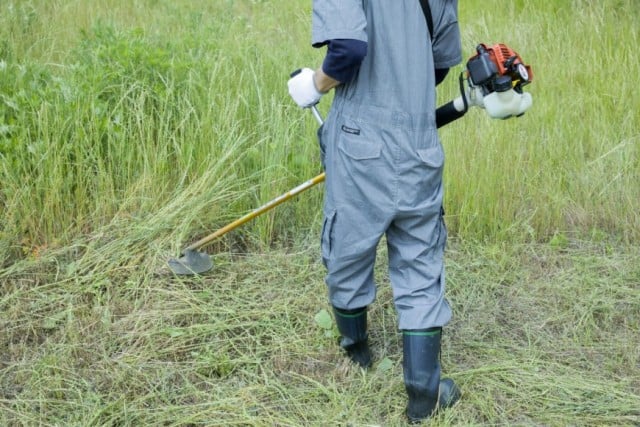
x=191 y=261
x=497 y=72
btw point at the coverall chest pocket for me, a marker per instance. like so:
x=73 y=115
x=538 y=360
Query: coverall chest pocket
x=357 y=149
x=358 y=159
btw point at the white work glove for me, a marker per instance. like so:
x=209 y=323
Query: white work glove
x=303 y=89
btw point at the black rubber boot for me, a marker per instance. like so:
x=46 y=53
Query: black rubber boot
x=421 y=365
x=352 y=325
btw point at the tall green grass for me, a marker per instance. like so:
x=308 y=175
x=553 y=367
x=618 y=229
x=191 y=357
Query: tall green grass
x=117 y=109
x=131 y=117
x=570 y=165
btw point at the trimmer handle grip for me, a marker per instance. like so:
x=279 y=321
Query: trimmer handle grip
x=316 y=114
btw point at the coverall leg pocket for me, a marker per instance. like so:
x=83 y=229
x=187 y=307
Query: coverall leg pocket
x=443 y=233
x=327 y=236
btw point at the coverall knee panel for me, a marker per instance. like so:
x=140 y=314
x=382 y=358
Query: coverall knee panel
x=416 y=269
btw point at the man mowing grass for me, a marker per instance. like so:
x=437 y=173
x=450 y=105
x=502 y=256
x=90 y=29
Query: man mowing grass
x=384 y=162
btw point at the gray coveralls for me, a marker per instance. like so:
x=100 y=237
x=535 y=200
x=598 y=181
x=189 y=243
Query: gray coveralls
x=383 y=158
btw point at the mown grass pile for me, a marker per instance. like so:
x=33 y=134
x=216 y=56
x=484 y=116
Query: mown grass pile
x=128 y=128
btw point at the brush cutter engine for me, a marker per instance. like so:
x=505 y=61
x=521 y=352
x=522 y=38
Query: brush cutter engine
x=497 y=67
x=496 y=74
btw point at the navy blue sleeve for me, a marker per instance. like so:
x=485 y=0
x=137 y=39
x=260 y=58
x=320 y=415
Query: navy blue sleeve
x=343 y=58
x=441 y=73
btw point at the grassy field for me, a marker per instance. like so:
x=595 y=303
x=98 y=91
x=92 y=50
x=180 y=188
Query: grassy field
x=128 y=129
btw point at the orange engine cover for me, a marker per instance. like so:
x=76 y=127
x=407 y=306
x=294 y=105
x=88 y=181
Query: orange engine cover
x=509 y=63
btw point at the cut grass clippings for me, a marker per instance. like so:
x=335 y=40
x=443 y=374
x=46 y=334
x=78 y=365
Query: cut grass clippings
x=541 y=336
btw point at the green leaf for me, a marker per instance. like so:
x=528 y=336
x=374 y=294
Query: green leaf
x=385 y=365
x=324 y=320
x=559 y=241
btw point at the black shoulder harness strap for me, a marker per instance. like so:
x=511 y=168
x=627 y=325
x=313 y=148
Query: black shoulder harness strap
x=427 y=15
